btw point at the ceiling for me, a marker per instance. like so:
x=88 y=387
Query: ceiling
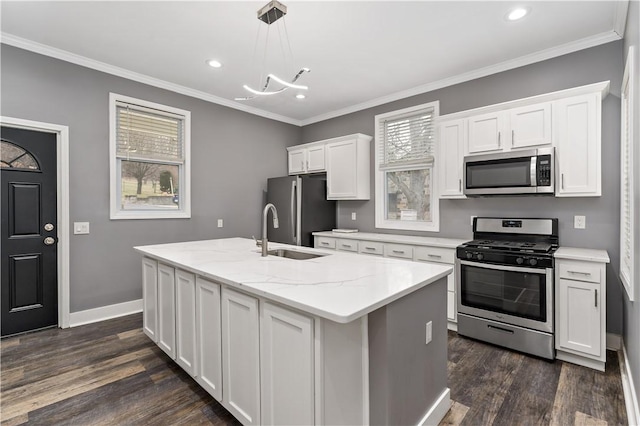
x=360 y=53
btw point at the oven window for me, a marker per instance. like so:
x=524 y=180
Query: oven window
x=519 y=294
x=499 y=173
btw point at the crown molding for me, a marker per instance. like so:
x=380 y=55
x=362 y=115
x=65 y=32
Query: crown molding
x=620 y=17
x=542 y=55
x=64 y=55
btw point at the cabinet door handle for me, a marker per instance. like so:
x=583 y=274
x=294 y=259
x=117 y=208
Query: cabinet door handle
x=435 y=256
x=307 y=164
x=459 y=185
x=499 y=144
x=586 y=274
x=562 y=180
x=369 y=248
x=346 y=245
x=324 y=243
x=398 y=251
x=596 y=298
x=513 y=137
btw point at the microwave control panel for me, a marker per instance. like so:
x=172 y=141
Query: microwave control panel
x=544 y=170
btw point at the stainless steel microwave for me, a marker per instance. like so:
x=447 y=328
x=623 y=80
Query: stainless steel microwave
x=510 y=173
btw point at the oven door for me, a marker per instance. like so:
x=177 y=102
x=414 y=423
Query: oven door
x=515 y=295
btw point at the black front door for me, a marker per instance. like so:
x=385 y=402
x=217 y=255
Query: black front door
x=29 y=296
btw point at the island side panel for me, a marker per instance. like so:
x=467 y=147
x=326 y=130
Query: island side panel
x=408 y=377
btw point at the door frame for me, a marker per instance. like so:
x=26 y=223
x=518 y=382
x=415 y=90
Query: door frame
x=62 y=160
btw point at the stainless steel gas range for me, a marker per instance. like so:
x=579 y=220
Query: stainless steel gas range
x=505 y=283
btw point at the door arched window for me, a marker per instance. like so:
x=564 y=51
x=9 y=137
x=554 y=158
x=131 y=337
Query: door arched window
x=14 y=157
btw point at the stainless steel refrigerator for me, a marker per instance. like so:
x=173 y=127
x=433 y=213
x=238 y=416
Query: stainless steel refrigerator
x=303 y=208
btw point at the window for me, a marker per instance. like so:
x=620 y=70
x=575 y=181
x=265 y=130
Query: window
x=627 y=218
x=14 y=157
x=406 y=195
x=150 y=164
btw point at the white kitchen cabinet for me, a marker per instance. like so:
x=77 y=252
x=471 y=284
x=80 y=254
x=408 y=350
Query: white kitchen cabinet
x=209 y=337
x=451 y=156
x=346 y=245
x=286 y=367
x=186 y=351
x=241 y=356
x=166 y=310
x=348 y=168
x=578 y=145
x=581 y=309
x=522 y=127
x=150 y=298
x=374 y=248
x=307 y=158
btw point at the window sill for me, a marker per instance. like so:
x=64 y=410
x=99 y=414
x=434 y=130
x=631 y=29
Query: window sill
x=149 y=215
x=408 y=225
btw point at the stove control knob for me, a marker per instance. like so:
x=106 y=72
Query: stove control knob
x=519 y=261
x=480 y=256
x=533 y=262
x=469 y=255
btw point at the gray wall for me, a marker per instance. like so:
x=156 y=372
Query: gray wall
x=232 y=154
x=580 y=68
x=632 y=309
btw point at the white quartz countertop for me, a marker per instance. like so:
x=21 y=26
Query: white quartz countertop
x=573 y=253
x=340 y=286
x=393 y=238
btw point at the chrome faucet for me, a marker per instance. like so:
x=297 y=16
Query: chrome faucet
x=265 y=249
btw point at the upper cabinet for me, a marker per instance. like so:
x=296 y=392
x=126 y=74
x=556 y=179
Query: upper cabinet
x=345 y=159
x=577 y=139
x=308 y=158
x=569 y=120
x=451 y=152
x=522 y=127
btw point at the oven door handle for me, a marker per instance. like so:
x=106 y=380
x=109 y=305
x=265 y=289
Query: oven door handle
x=541 y=271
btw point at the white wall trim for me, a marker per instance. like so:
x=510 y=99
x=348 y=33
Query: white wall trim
x=620 y=17
x=62 y=153
x=438 y=410
x=105 y=312
x=64 y=55
x=542 y=55
x=614 y=342
x=630 y=396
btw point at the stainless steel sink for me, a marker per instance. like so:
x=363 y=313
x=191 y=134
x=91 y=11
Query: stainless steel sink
x=292 y=254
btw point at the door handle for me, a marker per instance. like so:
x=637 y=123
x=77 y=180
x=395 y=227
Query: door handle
x=293 y=211
x=49 y=241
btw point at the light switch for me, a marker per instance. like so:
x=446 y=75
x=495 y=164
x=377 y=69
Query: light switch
x=353 y=215
x=80 y=228
x=220 y=223
x=429 y=332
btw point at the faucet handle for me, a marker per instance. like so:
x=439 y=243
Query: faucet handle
x=258 y=242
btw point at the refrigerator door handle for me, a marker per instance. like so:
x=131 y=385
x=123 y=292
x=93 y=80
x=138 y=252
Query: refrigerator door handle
x=293 y=208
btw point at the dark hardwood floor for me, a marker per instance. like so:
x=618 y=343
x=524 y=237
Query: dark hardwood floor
x=110 y=373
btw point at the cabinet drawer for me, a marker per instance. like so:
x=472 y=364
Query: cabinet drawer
x=580 y=271
x=371 y=247
x=324 y=242
x=346 y=245
x=435 y=254
x=398 y=250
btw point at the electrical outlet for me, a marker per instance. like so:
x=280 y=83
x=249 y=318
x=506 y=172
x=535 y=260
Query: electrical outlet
x=429 y=332
x=80 y=228
x=220 y=223
x=579 y=222
x=353 y=215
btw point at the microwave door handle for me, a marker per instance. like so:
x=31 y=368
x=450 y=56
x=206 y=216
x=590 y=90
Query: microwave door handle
x=533 y=171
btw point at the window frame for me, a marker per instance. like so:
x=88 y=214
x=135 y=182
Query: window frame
x=627 y=113
x=381 y=220
x=115 y=171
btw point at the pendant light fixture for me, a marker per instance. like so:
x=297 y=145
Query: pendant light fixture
x=273 y=13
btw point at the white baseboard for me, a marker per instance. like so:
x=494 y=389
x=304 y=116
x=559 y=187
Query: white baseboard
x=104 y=313
x=614 y=342
x=630 y=396
x=438 y=410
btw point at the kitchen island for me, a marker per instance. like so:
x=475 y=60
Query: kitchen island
x=335 y=339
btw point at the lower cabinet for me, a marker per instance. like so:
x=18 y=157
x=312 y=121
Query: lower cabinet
x=186 y=352
x=286 y=366
x=581 y=312
x=167 y=310
x=241 y=356
x=209 y=337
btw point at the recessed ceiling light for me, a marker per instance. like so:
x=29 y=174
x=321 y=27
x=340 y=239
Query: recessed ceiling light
x=300 y=96
x=214 y=63
x=517 y=13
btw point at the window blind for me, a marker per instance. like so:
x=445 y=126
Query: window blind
x=143 y=134
x=626 y=192
x=408 y=140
